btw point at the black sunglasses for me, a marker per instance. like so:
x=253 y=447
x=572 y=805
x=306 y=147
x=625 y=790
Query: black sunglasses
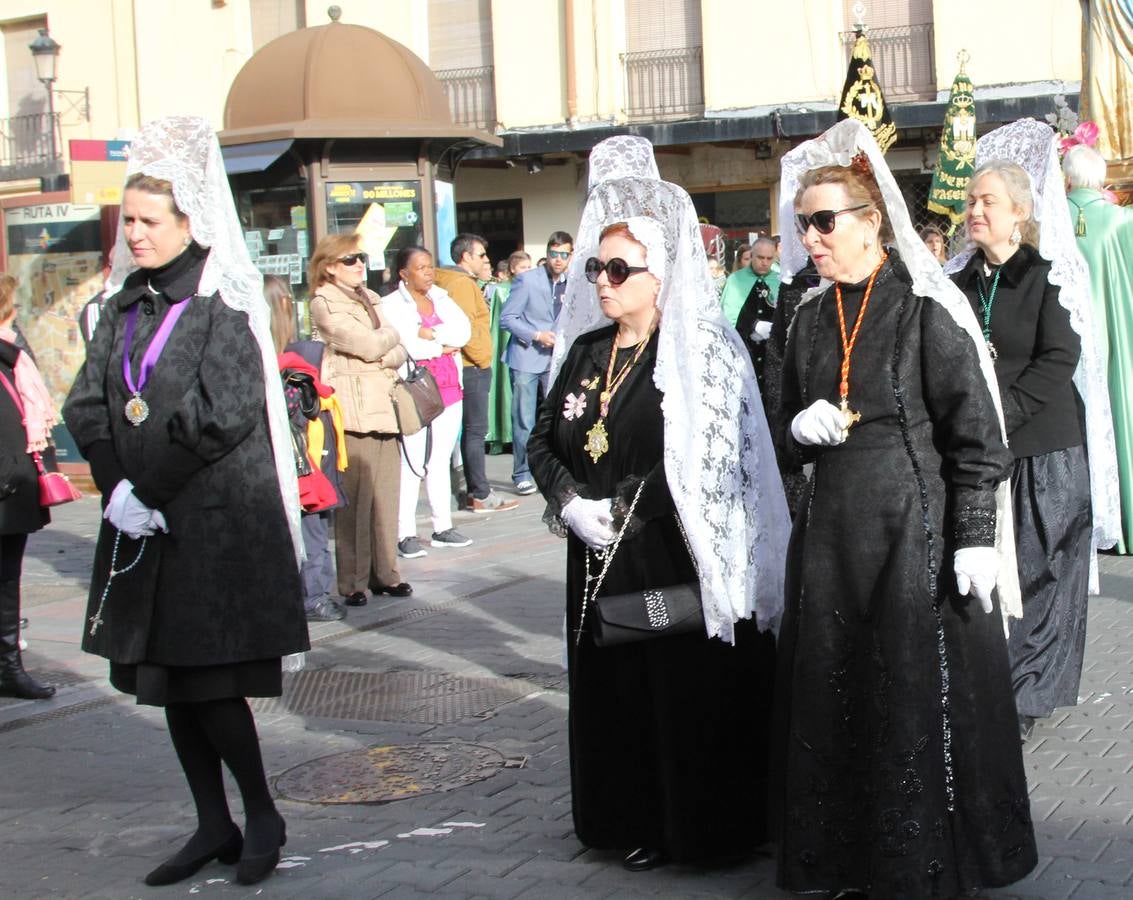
x=353 y=258
x=824 y=220
x=617 y=270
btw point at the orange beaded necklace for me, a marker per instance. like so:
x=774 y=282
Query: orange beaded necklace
x=848 y=414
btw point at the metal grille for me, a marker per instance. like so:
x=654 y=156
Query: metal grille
x=664 y=84
x=471 y=95
x=905 y=60
x=60 y=713
x=29 y=141
x=431 y=698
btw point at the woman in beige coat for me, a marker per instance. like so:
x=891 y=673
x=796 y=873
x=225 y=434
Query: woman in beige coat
x=363 y=352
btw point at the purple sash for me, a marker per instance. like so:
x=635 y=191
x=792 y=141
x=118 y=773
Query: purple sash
x=153 y=351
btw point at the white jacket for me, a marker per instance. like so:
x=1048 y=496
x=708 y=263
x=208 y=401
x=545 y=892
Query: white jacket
x=454 y=331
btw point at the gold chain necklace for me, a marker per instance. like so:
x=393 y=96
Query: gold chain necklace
x=597 y=438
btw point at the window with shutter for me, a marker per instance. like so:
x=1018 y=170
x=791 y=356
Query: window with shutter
x=663 y=74
x=900 y=34
x=460 y=53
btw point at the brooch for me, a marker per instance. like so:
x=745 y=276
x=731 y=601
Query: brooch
x=574 y=406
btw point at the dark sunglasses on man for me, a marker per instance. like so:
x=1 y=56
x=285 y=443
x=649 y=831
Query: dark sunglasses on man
x=824 y=220
x=617 y=270
x=352 y=258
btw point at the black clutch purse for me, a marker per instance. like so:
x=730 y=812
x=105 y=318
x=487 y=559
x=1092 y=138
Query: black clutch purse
x=642 y=615
x=657 y=612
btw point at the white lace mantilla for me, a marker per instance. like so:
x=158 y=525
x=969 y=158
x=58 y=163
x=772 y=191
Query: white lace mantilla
x=1034 y=146
x=837 y=147
x=184 y=151
x=719 y=461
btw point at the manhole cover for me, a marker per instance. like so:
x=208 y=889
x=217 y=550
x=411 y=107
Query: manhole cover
x=389 y=772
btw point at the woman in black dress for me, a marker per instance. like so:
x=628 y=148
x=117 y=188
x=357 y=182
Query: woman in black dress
x=897 y=766
x=1036 y=353
x=652 y=722
x=20 y=512
x=180 y=412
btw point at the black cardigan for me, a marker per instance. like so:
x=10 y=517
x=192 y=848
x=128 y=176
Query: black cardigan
x=1037 y=349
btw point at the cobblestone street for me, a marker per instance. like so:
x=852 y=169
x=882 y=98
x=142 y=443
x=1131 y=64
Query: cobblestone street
x=454 y=701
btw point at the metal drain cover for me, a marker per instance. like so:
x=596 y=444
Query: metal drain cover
x=389 y=772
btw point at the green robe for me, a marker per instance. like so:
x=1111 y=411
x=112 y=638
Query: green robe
x=1108 y=248
x=738 y=286
x=499 y=397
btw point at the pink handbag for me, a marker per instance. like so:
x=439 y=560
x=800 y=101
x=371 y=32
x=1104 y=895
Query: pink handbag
x=54 y=487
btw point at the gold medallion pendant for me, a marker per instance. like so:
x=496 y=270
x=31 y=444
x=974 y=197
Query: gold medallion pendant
x=597 y=441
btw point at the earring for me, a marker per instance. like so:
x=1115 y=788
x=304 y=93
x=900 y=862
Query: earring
x=868 y=243
x=1016 y=235
x=188 y=240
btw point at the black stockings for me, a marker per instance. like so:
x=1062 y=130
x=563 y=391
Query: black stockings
x=205 y=734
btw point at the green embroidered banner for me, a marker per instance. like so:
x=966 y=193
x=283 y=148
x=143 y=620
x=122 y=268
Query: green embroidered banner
x=862 y=98
x=957 y=158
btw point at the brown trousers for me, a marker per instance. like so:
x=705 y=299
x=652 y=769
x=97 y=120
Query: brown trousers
x=365 y=530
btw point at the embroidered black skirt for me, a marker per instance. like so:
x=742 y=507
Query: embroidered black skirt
x=1050 y=495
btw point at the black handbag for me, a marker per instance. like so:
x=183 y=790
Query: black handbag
x=657 y=612
x=646 y=614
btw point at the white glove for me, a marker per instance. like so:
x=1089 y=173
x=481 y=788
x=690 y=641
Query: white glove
x=157 y=521
x=977 y=569
x=127 y=513
x=591 y=520
x=820 y=423
x=761 y=331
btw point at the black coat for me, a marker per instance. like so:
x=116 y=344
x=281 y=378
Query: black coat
x=886 y=674
x=223 y=585
x=1037 y=352
x=20 y=512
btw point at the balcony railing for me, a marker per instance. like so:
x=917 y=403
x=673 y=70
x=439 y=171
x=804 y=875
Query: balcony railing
x=904 y=60
x=663 y=84
x=29 y=146
x=471 y=95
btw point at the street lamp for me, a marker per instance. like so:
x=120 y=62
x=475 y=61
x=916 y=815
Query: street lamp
x=45 y=51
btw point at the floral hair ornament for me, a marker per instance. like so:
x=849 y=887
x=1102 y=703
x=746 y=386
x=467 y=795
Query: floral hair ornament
x=861 y=164
x=1086 y=134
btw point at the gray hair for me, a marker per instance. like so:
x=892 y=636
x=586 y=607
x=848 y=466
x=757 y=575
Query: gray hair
x=1084 y=167
x=1018 y=184
x=763 y=239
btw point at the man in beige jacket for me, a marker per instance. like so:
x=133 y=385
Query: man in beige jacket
x=470 y=251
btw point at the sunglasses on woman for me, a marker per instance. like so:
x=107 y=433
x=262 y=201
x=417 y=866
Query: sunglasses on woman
x=617 y=270
x=824 y=220
x=352 y=258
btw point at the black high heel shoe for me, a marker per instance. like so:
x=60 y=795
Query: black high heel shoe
x=170 y=871
x=254 y=869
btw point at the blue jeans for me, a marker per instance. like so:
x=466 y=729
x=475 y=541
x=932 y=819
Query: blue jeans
x=477 y=384
x=527 y=390
x=317 y=570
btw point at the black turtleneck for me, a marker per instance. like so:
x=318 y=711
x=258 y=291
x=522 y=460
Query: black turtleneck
x=177 y=280
x=1037 y=350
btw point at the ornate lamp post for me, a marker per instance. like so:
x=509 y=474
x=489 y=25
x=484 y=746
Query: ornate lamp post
x=45 y=52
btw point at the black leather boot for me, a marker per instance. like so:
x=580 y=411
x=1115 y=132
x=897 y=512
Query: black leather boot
x=14 y=681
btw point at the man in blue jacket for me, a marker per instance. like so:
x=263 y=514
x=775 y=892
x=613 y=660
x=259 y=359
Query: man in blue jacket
x=529 y=316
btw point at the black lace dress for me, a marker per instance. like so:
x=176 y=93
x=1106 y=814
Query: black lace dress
x=896 y=749
x=668 y=737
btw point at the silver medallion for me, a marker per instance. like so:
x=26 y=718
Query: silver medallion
x=992 y=351
x=137 y=410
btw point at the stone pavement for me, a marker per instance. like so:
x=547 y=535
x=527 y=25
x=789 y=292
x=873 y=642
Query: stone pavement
x=453 y=700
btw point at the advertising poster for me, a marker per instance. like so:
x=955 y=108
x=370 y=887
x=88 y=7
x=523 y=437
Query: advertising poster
x=54 y=252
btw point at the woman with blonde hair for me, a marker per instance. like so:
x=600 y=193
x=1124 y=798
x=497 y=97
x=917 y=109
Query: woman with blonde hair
x=195 y=594
x=362 y=356
x=26 y=417
x=1029 y=287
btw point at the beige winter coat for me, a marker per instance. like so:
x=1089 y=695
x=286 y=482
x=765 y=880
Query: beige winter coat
x=360 y=362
